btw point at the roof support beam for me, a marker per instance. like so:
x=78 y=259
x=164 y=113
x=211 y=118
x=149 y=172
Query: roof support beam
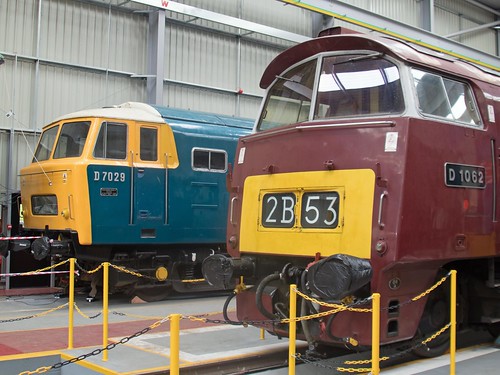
x=480 y=27
x=155 y=60
x=482 y=6
x=398 y=30
x=223 y=19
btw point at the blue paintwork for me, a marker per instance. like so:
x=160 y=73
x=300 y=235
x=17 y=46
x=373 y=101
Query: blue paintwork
x=197 y=201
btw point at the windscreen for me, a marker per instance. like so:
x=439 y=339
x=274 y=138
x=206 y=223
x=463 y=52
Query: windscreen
x=289 y=100
x=348 y=85
x=358 y=85
x=46 y=144
x=71 y=139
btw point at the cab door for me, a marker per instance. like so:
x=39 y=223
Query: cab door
x=149 y=181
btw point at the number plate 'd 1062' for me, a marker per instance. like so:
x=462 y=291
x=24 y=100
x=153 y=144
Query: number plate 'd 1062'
x=317 y=210
x=465 y=176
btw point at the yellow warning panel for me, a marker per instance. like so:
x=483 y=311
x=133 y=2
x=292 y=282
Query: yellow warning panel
x=304 y=213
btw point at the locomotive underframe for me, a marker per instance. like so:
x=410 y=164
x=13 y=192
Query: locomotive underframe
x=179 y=263
x=478 y=307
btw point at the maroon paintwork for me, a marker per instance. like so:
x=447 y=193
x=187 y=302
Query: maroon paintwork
x=428 y=225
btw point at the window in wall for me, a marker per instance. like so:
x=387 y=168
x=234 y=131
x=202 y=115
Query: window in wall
x=444 y=97
x=72 y=139
x=46 y=144
x=149 y=144
x=112 y=141
x=209 y=160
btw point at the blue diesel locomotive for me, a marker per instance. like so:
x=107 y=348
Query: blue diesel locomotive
x=139 y=186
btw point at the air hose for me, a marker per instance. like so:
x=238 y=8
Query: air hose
x=260 y=290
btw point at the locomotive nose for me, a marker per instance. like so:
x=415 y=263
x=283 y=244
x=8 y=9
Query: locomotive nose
x=218 y=269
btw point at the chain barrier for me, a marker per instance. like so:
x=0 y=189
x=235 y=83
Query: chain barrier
x=432 y=288
x=34 y=315
x=204 y=318
x=95 y=352
x=85 y=315
x=38 y=271
x=341 y=307
x=89 y=271
x=336 y=365
x=29 y=273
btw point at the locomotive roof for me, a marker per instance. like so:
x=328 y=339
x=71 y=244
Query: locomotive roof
x=385 y=45
x=147 y=113
x=185 y=116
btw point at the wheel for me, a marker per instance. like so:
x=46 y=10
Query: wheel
x=152 y=293
x=436 y=315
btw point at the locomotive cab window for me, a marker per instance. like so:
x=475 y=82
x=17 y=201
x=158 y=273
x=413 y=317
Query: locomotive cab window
x=208 y=160
x=46 y=144
x=446 y=98
x=72 y=139
x=354 y=85
x=112 y=141
x=149 y=144
x=289 y=100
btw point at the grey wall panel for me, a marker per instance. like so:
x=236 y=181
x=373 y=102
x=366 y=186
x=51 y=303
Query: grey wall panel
x=254 y=60
x=249 y=106
x=81 y=33
x=197 y=57
x=18 y=25
x=265 y=12
x=406 y=11
x=180 y=96
x=23 y=146
x=193 y=98
x=16 y=93
x=484 y=39
x=279 y=15
x=452 y=16
x=64 y=90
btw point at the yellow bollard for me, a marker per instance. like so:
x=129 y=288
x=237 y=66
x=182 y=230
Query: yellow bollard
x=453 y=321
x=262 y=334
x=105 y=292
x=375 y=334
x=174 y=343
x=71 y=296
x=292 y=330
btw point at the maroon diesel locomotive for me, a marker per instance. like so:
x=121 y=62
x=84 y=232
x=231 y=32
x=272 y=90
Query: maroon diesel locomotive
x=374 y=167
